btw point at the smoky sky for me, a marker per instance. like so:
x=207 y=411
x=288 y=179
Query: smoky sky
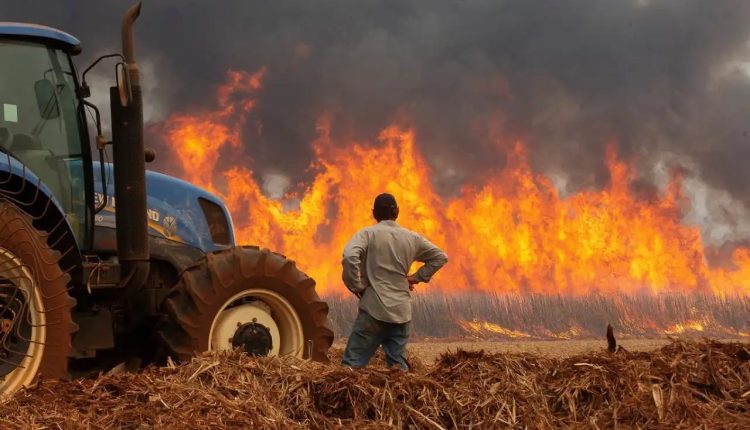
x=566 y=77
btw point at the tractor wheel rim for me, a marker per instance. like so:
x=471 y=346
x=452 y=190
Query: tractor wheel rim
x=264 y=307
x=27 y=332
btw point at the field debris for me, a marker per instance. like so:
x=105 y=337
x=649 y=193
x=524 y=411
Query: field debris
x=685 y=384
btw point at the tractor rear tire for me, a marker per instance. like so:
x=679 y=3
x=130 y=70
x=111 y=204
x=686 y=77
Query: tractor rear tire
x=264 y=282
x=35 y=307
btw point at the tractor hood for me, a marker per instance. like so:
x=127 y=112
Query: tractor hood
x=177 y=211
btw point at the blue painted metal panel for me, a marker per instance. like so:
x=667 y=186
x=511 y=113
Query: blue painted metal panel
x=173 y=209
x=35 y=30
x=10 y=165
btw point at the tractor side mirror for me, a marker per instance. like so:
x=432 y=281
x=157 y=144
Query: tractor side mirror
x=123 y=86
x=46 y=99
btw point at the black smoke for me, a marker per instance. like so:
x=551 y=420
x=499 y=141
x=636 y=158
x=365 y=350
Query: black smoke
x=567 y=77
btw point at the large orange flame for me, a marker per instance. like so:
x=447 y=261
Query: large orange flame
x=514 y=233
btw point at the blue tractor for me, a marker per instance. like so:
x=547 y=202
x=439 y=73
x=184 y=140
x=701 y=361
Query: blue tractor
x=81 y=286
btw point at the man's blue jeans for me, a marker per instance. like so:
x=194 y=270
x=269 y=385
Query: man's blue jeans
x=369 y=333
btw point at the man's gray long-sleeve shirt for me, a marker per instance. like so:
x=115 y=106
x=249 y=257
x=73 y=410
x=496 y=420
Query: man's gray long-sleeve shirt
x=375 y=265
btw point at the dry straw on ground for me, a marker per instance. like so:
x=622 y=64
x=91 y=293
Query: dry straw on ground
x=683 y=385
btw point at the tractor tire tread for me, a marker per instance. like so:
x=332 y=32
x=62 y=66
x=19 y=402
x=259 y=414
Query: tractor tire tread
x=191 y=305
x=30 y=245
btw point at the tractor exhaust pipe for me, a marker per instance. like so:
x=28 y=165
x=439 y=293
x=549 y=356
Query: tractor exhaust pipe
x=129 y=164
x=128 y=45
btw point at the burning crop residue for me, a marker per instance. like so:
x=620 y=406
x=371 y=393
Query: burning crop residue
x=685 y=327
x=511 y=232
x=483 y=328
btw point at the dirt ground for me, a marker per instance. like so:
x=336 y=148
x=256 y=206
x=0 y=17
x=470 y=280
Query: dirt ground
x=428 y=351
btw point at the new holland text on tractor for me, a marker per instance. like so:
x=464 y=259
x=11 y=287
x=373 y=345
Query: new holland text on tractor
x=80 y=286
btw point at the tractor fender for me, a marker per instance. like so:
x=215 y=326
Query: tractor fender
x=21 y=187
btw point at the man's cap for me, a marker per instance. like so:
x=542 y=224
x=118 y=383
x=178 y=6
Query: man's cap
x=385 y=200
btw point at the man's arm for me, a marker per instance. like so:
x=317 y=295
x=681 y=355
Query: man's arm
x=352 y=263
x=433 y=258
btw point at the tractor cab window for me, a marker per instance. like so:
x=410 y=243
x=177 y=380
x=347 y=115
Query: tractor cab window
x=39 y=122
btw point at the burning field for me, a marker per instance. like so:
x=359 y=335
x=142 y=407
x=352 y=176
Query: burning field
x=682 y=385
x=526 y=260
x=511 y=231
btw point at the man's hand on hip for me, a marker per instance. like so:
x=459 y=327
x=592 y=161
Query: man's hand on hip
x=413 y=281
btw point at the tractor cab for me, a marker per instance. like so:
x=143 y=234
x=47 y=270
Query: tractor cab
x=42 y=123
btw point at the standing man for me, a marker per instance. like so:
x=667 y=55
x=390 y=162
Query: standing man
x=376 y=269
